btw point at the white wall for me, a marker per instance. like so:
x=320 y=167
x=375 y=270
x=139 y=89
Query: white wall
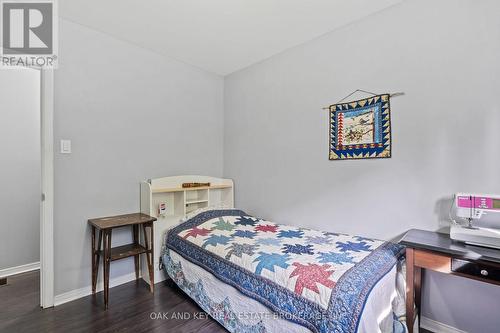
x=131 y=115
x=446 y=133
x=20 y=167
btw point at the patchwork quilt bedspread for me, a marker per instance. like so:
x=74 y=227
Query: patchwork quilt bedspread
x=318 y=279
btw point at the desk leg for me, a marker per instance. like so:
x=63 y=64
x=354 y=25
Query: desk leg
x=135 y=230
x=410 y=285
x=418 y=291
x=107 y=260
x=96 y=257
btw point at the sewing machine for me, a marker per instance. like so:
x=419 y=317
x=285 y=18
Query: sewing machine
x=470 y=207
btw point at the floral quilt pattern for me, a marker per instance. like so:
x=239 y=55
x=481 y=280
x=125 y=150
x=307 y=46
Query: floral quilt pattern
x=310 y=276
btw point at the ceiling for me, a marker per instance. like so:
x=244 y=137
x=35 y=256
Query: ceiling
x=220 y=36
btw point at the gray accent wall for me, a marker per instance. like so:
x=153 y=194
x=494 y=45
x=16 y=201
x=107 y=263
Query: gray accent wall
x=131 y=115
x=20 y=167
x=446 y=133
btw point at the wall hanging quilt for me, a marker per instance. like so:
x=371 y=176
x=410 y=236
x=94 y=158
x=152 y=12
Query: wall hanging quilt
x=361 y=129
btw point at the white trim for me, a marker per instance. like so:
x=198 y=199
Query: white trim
x=46 y=264
x=47 y=205
x=19 y=269
x=437 y=327
x=85 y=291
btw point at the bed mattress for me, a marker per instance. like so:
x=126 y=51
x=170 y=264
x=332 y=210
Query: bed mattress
x=244 y=295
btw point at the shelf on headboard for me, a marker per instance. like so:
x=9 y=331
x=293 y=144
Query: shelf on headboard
x=181 y=189
x=196 y=202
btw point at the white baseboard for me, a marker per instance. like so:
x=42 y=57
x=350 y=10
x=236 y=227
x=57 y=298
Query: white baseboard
x=437 y=327
x=19 y=269
x=85 y=291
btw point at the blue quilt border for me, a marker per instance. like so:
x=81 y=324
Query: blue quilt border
x=360 y=281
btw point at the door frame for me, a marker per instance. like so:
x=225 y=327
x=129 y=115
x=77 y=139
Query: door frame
x=47 y=188
x=46 y=255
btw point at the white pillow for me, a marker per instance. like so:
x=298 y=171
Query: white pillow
x=192 y=214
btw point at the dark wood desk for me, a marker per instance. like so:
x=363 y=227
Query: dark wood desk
x=437 y=252
x=105 y=226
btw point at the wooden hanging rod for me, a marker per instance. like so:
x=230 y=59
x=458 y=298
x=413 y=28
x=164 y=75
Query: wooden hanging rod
x=396 y=94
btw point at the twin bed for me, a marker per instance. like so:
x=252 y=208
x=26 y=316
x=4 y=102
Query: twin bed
x=253 y=275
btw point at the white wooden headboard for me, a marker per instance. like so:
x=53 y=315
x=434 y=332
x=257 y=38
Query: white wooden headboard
x=179 y=202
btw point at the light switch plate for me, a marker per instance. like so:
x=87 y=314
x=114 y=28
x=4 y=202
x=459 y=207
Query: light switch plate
x=65 y=146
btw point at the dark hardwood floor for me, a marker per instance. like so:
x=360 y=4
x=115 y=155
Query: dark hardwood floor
x=131 y=309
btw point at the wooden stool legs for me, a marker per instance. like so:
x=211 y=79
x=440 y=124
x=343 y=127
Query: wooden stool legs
x=135 y=230
x=104 y=238
x=106 y=263
x=96 y=256
x=149 y=253
x=94 y=266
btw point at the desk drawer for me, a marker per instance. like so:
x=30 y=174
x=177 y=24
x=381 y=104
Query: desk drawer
x=476 y=270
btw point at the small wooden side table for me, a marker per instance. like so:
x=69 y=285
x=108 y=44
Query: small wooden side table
x=437 y=252
x=105 y=226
